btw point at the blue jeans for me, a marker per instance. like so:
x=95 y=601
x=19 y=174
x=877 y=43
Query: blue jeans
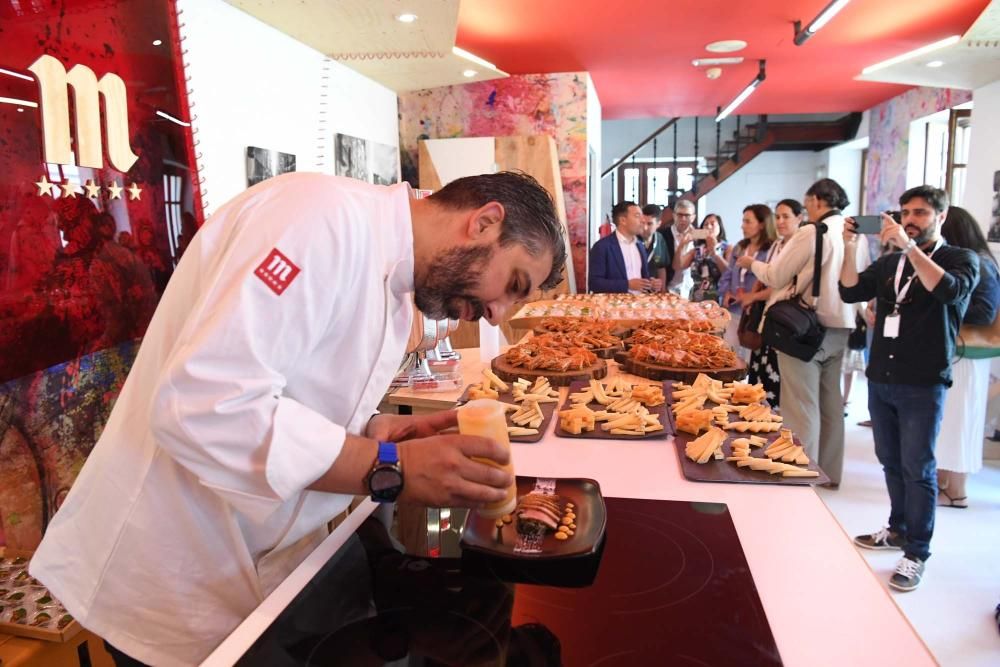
x=906 y=419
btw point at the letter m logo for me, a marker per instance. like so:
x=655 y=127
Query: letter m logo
x=53 y=84
x=277 y=271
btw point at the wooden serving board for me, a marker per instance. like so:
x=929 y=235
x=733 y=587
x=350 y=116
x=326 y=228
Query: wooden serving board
x=688 y=375
x=727 y=471
x=508 y=397
x=600 y=434
x=509 y=372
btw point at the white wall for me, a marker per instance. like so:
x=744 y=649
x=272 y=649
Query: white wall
x=843 y=164
x=594 y=143
x=769 y=178
x=254 y=86
x=984 y=154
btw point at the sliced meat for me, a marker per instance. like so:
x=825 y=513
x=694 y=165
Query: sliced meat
x=538 y=516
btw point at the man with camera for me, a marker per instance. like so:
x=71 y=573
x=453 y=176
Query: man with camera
x=922 y=292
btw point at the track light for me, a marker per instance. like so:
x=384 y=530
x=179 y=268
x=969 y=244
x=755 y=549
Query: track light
x=831 y=10
x=752 y=86
x=948 y=41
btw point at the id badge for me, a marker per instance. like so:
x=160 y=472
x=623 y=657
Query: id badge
x=891 y=327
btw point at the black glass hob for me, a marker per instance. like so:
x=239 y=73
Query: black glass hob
x=673 y=588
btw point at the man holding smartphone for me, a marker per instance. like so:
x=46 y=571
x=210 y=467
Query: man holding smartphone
x=922 y=292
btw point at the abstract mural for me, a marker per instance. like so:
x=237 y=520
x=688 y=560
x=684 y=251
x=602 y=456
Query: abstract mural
x=553 y=104
x=889 y=139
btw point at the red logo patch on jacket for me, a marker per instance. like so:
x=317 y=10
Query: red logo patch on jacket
x=277 y=271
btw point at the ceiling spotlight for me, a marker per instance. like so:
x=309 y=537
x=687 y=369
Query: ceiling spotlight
x=831 y=10
x=954 y=39
x=157 y=42
x=726 y=46
x=713 y=72
x=935 y=63
x=406 y=18
x=752 y=86
x=710 y=62
x=20 y=109
x=469 y=73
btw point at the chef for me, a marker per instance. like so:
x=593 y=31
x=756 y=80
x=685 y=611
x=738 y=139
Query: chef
x=247 y=423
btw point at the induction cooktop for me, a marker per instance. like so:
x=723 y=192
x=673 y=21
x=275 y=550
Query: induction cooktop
x=673 y=588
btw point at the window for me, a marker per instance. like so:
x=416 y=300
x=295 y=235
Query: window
x=959 y=136
x=657 y=182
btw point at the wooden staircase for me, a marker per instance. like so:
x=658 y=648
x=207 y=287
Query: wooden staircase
x=753 y=139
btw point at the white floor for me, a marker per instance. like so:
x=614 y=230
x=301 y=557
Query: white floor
x=953 y=608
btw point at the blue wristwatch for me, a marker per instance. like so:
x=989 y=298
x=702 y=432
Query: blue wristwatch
x=385 y=481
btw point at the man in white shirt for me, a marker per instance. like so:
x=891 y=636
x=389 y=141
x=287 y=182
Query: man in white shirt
x=684 y=217
x=247 y=422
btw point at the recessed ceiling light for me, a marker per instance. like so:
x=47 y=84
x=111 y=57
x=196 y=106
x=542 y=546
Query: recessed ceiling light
x=726 y=46
x=935 y=63
x=406 y=18
x=157 y=42
x=469 y=73
x=711 y=62
x=20 y=109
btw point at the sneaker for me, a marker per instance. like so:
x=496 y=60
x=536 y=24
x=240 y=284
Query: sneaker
x=883 y=539
x=909 y=572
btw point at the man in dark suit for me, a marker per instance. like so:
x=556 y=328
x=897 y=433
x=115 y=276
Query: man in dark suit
x=618 y=262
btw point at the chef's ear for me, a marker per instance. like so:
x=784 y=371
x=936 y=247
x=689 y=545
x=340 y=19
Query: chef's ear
x=485 y=222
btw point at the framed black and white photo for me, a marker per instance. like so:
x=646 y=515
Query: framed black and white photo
x=351 y=157
x=385 y=164
x=263 y=163
x=993 y=236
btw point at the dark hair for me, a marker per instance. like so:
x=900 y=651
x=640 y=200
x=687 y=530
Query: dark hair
x=828 y=190
x=722 y=230
x=620 y=210
x=936 y=197
x=530 y=217
x=961 y=229
x=651 y=209
x=792 y=204
x=765 y=217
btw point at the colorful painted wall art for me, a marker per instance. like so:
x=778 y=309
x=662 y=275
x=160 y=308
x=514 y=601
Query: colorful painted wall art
x=553 y=104
x=889 y=140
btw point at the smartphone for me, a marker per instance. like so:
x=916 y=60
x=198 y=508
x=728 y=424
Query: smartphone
x=897 y=216
x=867 y=224
x=699 y=234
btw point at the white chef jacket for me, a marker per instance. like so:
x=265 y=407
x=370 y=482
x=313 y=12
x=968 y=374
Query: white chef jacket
x=192 y=506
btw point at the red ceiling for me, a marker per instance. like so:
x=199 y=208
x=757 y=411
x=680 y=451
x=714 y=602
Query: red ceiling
x=639 y=53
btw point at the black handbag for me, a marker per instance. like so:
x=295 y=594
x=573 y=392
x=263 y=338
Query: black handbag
x=792 y=326
x=858 y=339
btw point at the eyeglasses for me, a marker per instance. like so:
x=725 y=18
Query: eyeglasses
x=684 y=215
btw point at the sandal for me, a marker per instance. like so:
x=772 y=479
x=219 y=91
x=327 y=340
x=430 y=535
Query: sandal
x=959 y=503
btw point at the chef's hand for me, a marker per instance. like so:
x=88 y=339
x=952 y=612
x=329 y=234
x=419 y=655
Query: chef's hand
x=744 y=261
x=638 y=284
x=439 y=472
x=893 y=233
x=396 y=428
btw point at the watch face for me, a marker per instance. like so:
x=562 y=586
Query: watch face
x=385 y=483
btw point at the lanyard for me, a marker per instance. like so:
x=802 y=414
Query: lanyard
x=901 y=293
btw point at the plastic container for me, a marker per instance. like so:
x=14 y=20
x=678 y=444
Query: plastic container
x=485 y=417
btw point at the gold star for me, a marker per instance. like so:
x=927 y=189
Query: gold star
x=93 y=189
x=115 y=190
x=44 y=187
x=71 y=189
x=134 y=192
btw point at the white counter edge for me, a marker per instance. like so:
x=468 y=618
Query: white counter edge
x=242 y=638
